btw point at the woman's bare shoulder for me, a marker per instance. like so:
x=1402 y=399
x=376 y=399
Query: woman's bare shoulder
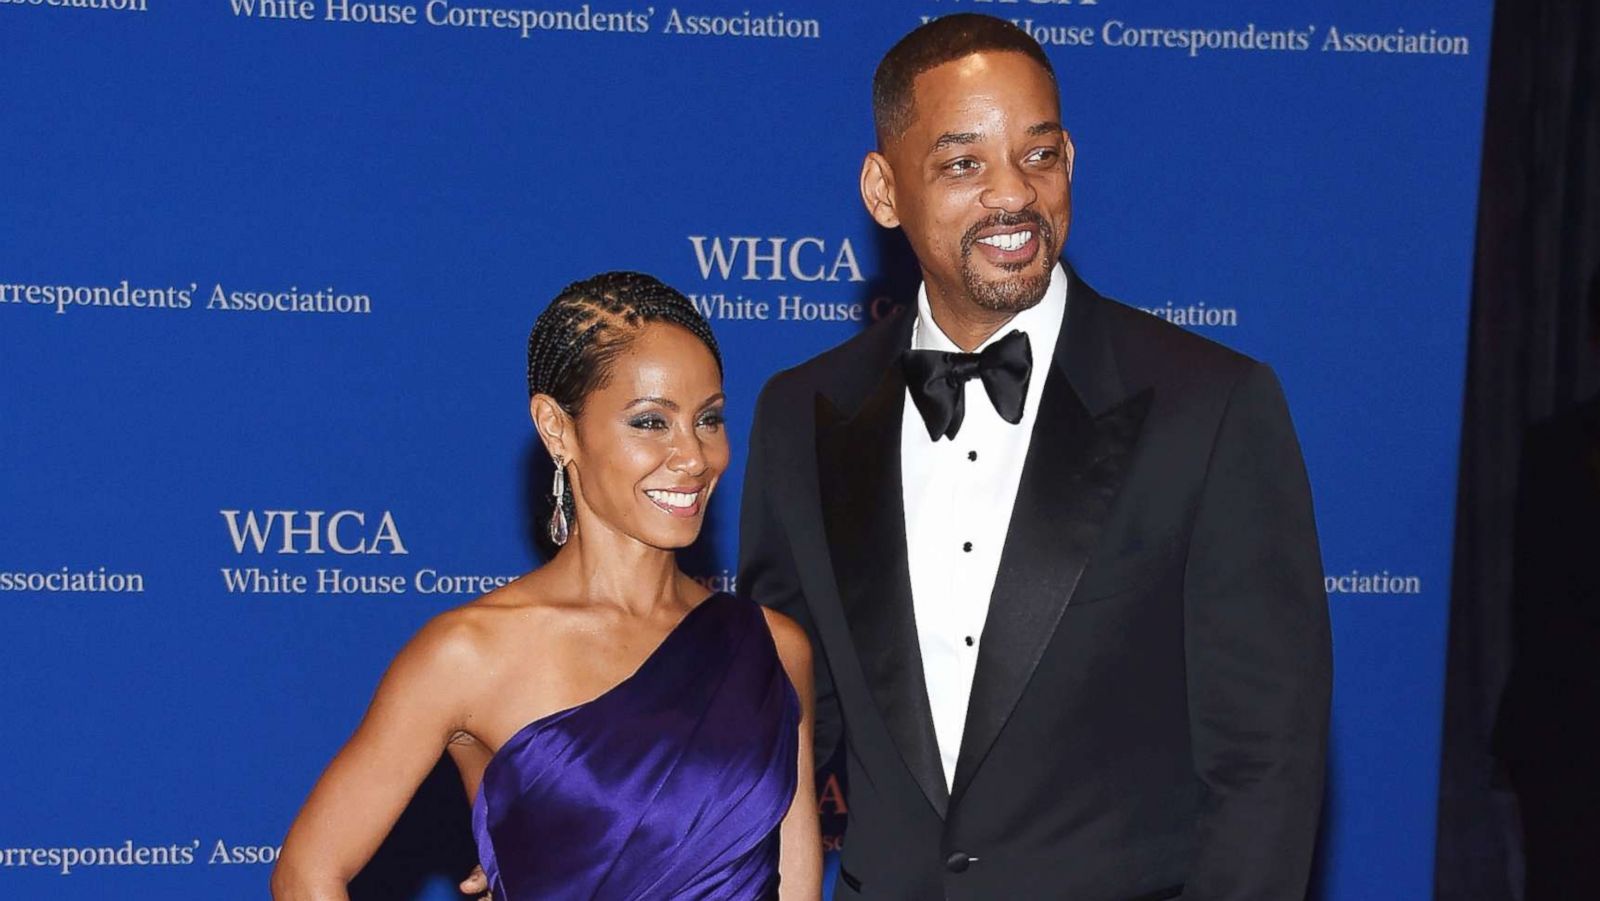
x=514 y=618
x=478 y=631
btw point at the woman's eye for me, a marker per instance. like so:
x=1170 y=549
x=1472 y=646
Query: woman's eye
x=712 y=420
x=651 y=422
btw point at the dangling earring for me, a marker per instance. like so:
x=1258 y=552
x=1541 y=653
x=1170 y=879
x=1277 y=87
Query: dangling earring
x=558 y=519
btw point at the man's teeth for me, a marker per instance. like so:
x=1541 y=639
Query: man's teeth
x=1009 y=242
x=673 y=498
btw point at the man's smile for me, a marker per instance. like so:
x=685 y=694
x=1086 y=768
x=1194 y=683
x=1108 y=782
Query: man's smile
x=1010 y=247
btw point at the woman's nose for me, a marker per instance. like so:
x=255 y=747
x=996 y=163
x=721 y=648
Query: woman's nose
x=688 y=456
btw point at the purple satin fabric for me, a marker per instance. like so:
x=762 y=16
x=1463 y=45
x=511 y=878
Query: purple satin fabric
x=670 y=785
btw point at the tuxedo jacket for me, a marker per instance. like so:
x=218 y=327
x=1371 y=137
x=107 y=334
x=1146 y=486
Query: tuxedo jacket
x=1149 y=715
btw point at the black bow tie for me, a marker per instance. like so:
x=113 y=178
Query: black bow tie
x=938 y=379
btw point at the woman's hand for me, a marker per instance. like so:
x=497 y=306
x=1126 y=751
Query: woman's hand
x=477 y=885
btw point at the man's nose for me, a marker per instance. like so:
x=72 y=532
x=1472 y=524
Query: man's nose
x=1008 y=189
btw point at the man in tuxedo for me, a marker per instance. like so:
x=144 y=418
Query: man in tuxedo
x=1057 y=555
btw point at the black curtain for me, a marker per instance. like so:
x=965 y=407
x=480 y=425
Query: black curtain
x=1530 y=358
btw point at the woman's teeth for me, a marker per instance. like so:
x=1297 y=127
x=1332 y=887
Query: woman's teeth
x=674 y=498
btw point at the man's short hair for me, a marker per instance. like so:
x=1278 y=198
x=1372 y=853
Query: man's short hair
x=943 y=40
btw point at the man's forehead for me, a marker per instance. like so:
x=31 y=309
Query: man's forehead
x=983 y=66
x=977 y=83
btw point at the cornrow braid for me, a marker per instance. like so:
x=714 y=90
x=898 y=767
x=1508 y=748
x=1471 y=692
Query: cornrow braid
x=577 y=339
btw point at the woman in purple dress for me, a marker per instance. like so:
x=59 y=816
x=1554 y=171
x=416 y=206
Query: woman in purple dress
x=623 y=734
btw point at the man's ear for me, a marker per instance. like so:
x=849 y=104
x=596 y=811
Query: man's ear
x=1068 y=151
x=877 y=190
x=554 y=424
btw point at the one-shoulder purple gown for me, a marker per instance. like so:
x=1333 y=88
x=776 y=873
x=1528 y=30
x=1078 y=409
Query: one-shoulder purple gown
x=670 y=785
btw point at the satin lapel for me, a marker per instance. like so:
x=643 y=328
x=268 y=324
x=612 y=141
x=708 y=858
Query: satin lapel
x=859 y=473
x=1076 y=463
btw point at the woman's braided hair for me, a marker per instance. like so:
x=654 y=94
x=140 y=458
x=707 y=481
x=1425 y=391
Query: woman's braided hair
x=577 y=339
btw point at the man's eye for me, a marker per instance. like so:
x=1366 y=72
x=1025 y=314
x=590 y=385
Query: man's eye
x=1045 y=155
x=961 y=165
x=648 y=422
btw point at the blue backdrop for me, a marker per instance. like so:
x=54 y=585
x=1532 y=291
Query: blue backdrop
x=267 y=270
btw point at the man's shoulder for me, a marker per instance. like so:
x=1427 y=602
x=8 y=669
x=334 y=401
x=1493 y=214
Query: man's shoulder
x=1150 y=333
x=849 y=367
x=1155 y=350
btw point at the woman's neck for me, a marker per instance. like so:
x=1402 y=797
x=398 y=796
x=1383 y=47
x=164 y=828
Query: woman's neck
x=609 y=567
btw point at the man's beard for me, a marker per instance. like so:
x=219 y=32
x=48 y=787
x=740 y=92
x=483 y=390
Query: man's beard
x=1018 y=292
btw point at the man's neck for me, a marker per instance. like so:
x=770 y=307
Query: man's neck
x=962 y=321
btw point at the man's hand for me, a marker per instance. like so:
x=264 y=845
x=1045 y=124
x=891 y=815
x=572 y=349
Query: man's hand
x=477 y=884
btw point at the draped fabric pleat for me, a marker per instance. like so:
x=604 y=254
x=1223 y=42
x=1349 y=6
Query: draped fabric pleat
x=1530 y=358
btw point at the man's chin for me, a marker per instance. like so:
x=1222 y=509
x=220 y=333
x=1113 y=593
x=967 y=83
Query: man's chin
x=1009 y=292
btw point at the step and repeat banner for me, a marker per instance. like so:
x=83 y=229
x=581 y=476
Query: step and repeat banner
x=267 y=269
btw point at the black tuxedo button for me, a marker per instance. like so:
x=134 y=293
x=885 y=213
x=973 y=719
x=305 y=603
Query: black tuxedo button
x=958 y=861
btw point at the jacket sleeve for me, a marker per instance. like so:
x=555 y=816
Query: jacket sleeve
x=1259 y=656
x=767 y=569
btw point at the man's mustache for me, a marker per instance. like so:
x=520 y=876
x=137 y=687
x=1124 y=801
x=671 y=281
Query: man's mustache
x=1003 y=219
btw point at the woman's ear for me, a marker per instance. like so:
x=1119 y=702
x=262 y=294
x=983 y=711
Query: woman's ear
x=555 y=426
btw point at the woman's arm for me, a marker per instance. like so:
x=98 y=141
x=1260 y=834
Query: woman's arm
x=420 y=703
x=800 y=836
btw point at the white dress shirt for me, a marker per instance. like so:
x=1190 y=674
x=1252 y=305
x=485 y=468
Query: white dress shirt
x=958 y=496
